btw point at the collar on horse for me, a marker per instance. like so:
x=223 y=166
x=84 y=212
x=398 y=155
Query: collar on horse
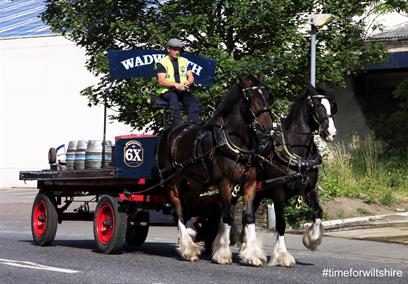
x=291 y=159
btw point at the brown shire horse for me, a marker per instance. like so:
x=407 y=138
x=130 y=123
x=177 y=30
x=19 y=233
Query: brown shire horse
x=294 y=149
x=219 y=153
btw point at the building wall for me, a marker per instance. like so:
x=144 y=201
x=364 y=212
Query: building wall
x=40 y=104
x=349 y=118
x=366 y=97
x=396 y=46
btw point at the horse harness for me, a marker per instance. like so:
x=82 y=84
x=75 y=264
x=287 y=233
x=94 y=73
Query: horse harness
x=292 y=160
x=223 y=144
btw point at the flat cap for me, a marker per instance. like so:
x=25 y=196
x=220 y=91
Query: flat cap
x=174 y=42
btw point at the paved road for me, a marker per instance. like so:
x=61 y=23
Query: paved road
x=72 y=258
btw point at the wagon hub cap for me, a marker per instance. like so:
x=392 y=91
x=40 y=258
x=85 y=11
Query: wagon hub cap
x=40 y=218
x=104 y=223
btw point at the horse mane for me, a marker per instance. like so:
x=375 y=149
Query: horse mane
x=228 y=102
x=294 y=110
x=233 y=96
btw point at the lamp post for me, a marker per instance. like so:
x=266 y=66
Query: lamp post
x=104 y=123
x=315 y=22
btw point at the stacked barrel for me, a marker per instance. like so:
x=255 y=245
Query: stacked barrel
x=87 y=154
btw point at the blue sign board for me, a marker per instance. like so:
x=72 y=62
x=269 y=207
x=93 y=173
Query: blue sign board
x=134 y=157
x=396 y=60
x=142 y=64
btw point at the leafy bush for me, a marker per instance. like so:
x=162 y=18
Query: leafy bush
x=365 y=169
x=394 y=128
x=295 y=217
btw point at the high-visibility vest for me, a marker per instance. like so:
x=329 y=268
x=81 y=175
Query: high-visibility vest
x=182 y=63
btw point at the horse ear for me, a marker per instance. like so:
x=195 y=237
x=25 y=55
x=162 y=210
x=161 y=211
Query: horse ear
x=325 y=89
x=262 y=78
x=312 y=90
x=244 y=81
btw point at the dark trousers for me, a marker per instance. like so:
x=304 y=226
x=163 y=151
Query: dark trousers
x=189 y=101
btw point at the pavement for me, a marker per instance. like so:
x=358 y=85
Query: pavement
x=392 y=228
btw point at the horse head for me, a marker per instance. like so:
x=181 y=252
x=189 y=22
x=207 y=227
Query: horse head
x=323 y=107
x=256 y=98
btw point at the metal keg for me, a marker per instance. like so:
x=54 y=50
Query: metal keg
x=80 y=155
x=70 y=155
x=93 y=157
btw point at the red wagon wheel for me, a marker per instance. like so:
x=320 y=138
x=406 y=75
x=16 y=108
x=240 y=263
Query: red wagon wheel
x=44 y=219
x=109 y=225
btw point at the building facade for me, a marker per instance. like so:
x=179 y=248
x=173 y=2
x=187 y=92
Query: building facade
x=369 y=95
x=42 y=75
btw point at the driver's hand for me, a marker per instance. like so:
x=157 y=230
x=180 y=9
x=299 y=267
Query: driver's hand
x=180 y=87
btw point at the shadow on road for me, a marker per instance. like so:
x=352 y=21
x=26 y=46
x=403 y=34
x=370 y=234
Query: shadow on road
x=161 y=249
x=303 y=263
x=81 y=244
x=148 y=248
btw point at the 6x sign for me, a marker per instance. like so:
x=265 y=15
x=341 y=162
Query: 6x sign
x=133 y=154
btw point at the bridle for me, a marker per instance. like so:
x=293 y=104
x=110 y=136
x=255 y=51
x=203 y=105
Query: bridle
x=312 y=105
x=255 y=125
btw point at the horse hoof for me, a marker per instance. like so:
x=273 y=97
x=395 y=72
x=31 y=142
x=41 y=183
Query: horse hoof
x=255 y=262
x=222 y=256
x=224 y=261
x=284 y=259
x=310 y=242
x=193 y=258
x=252 y=254
x=306 y=238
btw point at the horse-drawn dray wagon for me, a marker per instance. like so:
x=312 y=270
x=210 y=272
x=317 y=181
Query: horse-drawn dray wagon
x=118 y=215
x=123 y=190
x=236 y=149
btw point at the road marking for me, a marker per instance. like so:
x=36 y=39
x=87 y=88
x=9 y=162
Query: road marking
x=32 y=265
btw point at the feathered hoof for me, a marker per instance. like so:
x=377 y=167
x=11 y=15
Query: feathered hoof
x=252 y=255
x=253 y=261
x=193 y=258
x=222 y=256
x=312 y=240
x=284 y=259
x=306 y=238
x=190 y=252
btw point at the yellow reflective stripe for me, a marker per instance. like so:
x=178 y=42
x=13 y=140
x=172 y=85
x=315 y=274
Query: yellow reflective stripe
x=168 y=66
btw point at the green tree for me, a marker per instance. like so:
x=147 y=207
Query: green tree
x=243 y=36
x=394 y=128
